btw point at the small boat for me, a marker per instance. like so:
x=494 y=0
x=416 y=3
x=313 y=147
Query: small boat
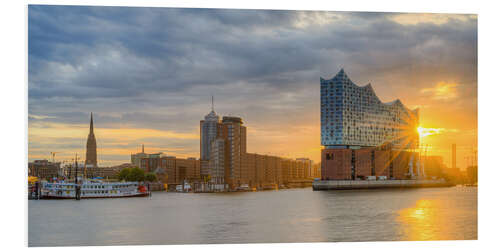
x=92 y=189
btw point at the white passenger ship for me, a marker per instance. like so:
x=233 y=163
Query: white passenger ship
x=92 y=189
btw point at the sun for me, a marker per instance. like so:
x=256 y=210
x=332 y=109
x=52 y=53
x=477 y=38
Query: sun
x=423 y=132
x=420 y=130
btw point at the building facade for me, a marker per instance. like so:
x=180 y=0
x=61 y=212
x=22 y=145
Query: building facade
x=217 y=162
x=135 y=159
x=234 y=133
x=209 y=131
x=364 y=137
x=353 y=116
x=44 y=169
x=179 y=169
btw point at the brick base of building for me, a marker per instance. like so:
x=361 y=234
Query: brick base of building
x=358 y=164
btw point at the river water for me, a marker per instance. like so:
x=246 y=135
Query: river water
x=293 y=215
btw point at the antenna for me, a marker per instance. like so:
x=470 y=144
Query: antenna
x=212 y=102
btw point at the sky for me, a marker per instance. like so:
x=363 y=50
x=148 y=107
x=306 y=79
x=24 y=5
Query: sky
x=148 y=75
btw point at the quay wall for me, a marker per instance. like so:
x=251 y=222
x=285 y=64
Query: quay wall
x=374 y=184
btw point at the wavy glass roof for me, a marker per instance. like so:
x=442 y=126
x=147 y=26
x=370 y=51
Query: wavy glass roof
x=353 y=115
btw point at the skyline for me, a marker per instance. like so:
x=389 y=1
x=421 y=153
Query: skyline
x=145 y=84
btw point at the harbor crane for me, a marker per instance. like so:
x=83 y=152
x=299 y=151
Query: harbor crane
x=53 y=154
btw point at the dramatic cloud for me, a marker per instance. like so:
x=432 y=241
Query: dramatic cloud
x=150 y=72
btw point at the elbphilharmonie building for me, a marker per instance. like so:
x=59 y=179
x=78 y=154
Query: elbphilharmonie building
x=363 y=137
x=354 y=117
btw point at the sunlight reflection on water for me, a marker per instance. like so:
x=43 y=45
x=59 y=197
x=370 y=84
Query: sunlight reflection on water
x=295 y=215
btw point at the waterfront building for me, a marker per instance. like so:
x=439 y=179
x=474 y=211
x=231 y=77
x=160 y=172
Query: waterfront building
x=135 y=159
x=170 y=169
x=307 y=167
x=145 y=161
x=226 y=152
x=353 y=117
x=234 y=133
x=365 y=163
x=434 y=166
x=471 y=176
x=151 y=161
x=316 y=170
x=363 y=136
x=209 y=130
x=229 y=165
x=101 y=172
x=91 y=154
x=217 y=163
x=178 y=170
x=44 y=169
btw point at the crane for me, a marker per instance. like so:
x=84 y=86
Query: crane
x=425 y=159
x=53 y=154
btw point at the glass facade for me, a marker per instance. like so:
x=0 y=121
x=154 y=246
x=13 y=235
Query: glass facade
x=208 y=134
x=354 y=116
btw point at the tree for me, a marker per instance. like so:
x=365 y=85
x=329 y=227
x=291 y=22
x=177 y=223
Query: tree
x=151 y=177
x=123 y=174
x=136 y=174
x=131 y=174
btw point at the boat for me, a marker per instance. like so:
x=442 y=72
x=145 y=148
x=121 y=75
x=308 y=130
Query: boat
x=185 y=189
x=92 y=189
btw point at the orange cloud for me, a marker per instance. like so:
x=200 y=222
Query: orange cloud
x=442 y=91
x=57 y=130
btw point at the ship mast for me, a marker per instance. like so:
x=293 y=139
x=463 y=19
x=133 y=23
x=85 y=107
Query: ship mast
x=76 y=168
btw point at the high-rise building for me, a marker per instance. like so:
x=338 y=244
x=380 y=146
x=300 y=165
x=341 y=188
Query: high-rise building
x=362 y=136
x=353 y=116
x=226 y=153
x=235 y=135
x=136 y=158
x=209 y=130
x=91 y=155
x=217 y=163
x=229 y=166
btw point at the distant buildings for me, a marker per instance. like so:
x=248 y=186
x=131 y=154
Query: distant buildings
x=69 y=171
x=364 y=137
x=136 y=158
x=434 y=166
x=170 y=169
x=44 y=169
x=225 y=161
x=472 y=174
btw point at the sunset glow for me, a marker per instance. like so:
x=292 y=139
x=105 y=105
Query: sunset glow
x=423 y=132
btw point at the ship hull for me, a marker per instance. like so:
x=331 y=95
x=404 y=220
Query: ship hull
x=55 y=197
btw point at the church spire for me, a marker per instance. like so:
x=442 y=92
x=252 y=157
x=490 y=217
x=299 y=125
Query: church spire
x=91 y=123
x=91 y=154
